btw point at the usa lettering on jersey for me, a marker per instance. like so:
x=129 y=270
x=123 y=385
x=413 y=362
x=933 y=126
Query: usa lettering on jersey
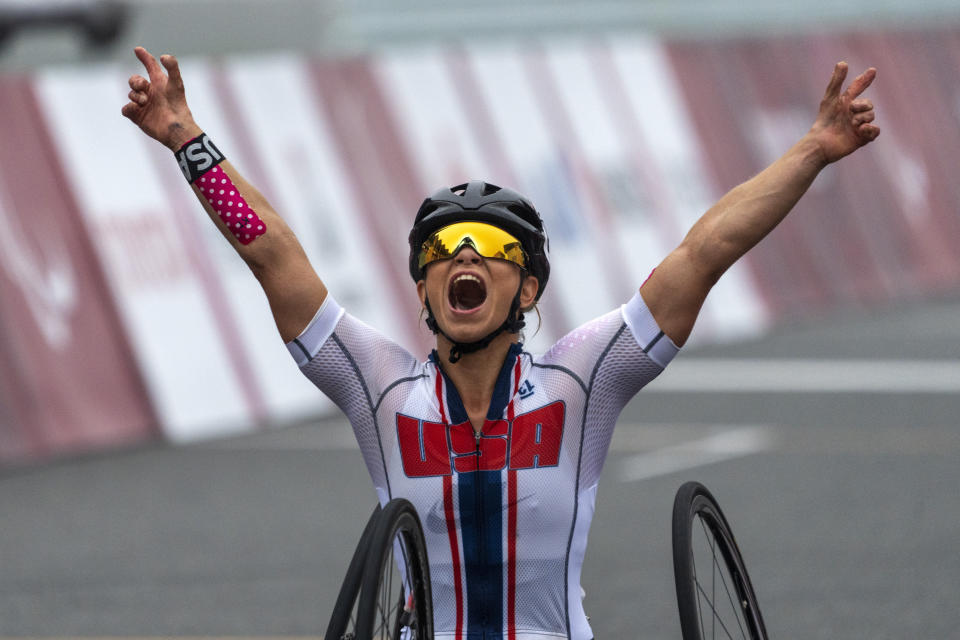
x=531 y=440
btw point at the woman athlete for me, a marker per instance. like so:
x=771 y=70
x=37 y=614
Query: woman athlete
x=499 y=450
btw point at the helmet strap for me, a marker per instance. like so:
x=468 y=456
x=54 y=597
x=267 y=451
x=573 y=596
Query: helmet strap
x=513 y=324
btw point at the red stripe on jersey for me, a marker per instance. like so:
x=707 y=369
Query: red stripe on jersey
x=443 y=414
x=451 y=521
x=516 y=387
x=512 y=524
x=512 y=554
x=454 y=550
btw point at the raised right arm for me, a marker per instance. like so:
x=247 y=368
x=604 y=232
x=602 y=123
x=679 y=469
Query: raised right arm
x=158 y=106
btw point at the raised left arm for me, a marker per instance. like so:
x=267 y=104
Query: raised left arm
x=676 y=290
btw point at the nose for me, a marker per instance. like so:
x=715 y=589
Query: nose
x=467 y=255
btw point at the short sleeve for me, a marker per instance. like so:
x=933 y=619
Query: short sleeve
x=305 y=346
x=650 y=338
x=348 y=360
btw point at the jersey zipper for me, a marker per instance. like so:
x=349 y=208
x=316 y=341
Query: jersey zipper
x=481 y=538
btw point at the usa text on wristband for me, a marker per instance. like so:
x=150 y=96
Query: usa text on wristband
x=197 y=157
x=200 y=159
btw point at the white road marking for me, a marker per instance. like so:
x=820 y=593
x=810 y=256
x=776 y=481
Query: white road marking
x=719 y=447
x=722 y=375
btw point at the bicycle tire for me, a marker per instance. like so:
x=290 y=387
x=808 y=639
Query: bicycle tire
x=699 y=526
x=405 y=609
x=343 y=620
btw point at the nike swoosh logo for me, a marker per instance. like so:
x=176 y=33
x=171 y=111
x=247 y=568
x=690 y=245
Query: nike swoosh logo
x=436 y=520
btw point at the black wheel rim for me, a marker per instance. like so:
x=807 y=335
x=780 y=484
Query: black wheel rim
x=343 y=621
x=722 y=606
x=395 y=600
x=714 y=592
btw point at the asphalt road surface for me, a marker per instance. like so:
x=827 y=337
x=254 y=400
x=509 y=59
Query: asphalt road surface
x=846 y=504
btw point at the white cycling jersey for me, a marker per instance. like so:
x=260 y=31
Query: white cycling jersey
x=505 y=513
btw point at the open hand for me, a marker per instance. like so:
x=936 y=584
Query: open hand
x=845 y=121
x=158 y=105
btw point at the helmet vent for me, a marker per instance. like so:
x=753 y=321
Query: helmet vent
x=489 y=189
x=524 y=214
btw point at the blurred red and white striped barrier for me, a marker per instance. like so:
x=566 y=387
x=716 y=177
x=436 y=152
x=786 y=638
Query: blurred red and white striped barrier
x=125 y=317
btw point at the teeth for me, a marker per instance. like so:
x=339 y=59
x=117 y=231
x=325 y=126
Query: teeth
x=467 y=291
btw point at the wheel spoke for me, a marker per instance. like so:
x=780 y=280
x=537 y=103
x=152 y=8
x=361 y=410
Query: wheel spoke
x=383 y=614
x=716 y=568
x=723 y=574
x=716 y=615
x=736 y=609
x=696 y=581
x=713 y=575
x=397 y=616
x=710 y=600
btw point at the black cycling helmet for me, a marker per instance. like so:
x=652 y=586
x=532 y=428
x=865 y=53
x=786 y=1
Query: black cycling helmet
x=479 y=201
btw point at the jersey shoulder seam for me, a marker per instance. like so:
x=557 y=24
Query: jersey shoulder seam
x=562 y=369
x=392 y=385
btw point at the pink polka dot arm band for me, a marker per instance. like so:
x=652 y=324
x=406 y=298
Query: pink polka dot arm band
x=200 y=160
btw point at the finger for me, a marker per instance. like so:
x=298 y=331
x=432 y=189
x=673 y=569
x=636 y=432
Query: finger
x=173 y=69
x=861 y=118
x=138 y=97
x=139 y=83
x=869 y=132
x=130 y=110
x=861 y=82
x=836 y=82
x=861 y=105
x=150 y=64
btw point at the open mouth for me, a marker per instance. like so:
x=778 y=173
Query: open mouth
x=467 y=292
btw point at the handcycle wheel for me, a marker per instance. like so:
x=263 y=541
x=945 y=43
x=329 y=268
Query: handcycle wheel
x=343 y=620
x=714 y=592
x=395 y=599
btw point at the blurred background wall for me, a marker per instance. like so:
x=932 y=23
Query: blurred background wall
x=125 y=318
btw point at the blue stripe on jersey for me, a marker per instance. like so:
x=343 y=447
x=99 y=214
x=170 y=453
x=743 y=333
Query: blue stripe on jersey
x=480 y=496
x=502 y=389
x=481 y=526
x=491 y=548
